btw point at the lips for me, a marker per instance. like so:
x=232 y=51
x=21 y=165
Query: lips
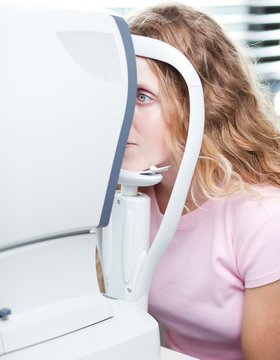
x=130 y=143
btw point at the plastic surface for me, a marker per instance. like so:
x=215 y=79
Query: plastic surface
x=130 y=180
x=159 y=50
x=125 y=243
x=130 y=334
x=167 y=354
x=51 y=289
x=129 y=227
x=58 y=113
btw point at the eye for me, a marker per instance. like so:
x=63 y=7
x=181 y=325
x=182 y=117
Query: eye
x=143 y=98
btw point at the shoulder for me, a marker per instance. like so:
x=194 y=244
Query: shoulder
x=256 y=234
x=263 y=202
x=255 y=214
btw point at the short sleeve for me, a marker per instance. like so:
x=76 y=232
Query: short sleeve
x=257 y=242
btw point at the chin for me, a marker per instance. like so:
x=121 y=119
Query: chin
x=128 y=166
x=132 y=166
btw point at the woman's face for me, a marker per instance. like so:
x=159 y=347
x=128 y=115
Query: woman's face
x=146 y=145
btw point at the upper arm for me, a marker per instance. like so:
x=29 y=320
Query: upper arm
x=260 y=331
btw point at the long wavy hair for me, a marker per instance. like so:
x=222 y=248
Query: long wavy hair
x=241 y=143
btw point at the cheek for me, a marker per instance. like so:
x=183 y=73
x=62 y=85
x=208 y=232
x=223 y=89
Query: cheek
x=153 y=138
x=159 y=131
x=158 y=140
x=150 y=123
x=156 y=145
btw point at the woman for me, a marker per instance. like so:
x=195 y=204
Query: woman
x=216 y=290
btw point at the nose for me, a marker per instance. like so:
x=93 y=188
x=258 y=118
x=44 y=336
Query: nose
x=134 y=119
x=136 y=114
x=132 y=128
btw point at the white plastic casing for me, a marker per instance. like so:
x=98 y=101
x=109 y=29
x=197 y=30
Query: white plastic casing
x=132 y=214
x=51 y=289
x=161 y=51
x=125 y=243
x=58 y=312
x=63 y=97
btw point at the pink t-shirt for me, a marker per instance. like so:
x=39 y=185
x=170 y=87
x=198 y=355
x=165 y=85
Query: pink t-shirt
x=198 y=288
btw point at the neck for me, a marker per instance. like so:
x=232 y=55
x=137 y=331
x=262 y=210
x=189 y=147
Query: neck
x=164 y=189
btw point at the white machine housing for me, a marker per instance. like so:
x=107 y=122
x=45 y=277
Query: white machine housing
x=128 y=262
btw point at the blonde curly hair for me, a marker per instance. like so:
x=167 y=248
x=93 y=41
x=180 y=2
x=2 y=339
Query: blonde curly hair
x=241 y=144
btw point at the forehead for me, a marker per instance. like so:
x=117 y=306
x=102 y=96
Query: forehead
x=146 y=77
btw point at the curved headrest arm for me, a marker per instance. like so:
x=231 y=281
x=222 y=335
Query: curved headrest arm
x=158 y=50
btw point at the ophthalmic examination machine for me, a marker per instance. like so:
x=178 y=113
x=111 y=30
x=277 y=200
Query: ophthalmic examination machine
x=67 y=96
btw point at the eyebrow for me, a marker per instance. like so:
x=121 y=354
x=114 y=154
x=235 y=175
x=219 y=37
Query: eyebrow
x=148 y=88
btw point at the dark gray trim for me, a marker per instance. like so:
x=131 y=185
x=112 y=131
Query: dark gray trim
x=128 y=117
x=48 y=237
